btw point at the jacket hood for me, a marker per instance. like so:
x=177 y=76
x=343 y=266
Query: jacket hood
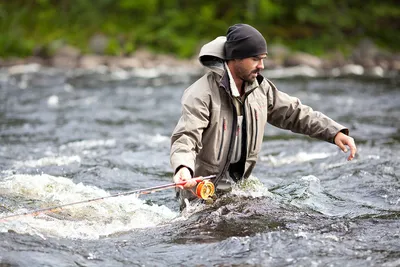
x=212 y=55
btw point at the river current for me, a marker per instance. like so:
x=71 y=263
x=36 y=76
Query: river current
x=68 y=136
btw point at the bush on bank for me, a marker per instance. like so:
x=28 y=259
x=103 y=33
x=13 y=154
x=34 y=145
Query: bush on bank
x=180 y=27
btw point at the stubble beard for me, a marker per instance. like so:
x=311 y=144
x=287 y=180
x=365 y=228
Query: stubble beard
x=250 y=78
x=245 y=76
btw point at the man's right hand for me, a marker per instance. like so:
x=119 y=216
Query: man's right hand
x=183 y=175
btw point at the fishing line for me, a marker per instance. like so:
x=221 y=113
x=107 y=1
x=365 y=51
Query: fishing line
x=205 y=189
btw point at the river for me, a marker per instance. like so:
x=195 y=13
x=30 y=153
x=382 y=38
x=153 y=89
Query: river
x=68 y=136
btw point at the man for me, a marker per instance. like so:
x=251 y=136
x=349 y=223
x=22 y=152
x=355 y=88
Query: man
x=224 y=114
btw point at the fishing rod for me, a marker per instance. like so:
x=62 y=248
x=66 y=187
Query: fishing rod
x=204 y=189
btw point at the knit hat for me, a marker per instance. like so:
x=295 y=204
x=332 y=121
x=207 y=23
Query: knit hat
x=244 y=41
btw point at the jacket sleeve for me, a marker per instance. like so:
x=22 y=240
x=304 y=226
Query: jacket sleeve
x=186 y=140
x=289 y=113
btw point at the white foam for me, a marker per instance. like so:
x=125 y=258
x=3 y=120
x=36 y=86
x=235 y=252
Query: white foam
x=90 y=220
x=250 y=187
x=158 y=139
x=147 y=72
x=301 y=70
x=49 y=161
x=120 y=74
x=151 y=140
x=298 y=158
x=53 y=101
x=87 y=144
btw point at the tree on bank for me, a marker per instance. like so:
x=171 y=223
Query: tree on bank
x=119 y=27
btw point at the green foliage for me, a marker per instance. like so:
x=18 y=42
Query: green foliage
x=139 y=7
x=181 y=26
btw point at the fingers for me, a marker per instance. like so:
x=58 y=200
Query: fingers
x=342 y=140
x=347 y=140
x=353 y=149
x=342 y=146
x=184 y=175
x=190 y=184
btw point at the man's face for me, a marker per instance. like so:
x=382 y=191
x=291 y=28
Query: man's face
x=247 y=69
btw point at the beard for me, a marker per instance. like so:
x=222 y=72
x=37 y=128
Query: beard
x=252 y=76
x=245 y=75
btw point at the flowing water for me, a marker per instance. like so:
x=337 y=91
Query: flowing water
x=78 y=135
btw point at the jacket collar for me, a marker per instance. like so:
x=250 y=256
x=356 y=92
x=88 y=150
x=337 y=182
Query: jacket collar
x=232 y=84
x=224 y=81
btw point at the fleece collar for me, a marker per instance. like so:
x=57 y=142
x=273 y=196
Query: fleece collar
x=234 y=90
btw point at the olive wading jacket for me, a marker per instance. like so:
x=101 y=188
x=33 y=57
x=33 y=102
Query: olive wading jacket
x=203 y=138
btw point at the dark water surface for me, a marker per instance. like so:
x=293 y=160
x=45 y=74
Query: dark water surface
x=71 y=136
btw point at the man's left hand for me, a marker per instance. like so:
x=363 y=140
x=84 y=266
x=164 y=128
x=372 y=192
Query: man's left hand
x=342 y=140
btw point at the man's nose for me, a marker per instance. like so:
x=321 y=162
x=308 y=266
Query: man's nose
x=260 y=64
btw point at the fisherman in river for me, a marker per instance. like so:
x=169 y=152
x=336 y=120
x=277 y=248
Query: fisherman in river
x=224 y=113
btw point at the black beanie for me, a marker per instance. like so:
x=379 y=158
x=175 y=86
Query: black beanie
x=244 y=41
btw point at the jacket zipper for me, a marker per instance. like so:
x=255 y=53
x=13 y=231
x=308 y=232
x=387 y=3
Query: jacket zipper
x=222 y=138
x=256 y=135
x=237 y=142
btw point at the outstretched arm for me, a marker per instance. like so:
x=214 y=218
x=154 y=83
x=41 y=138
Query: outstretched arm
x=342 y=140
x=287 y=112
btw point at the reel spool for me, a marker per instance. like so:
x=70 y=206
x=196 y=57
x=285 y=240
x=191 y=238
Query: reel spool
x=205 y=189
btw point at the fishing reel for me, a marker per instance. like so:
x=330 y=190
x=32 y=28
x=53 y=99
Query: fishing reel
x=205 y=190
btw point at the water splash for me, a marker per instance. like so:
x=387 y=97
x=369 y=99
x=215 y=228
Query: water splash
x=89 y=144
x=300 y=157
x=251 y=187
x=83 y=221
x=49 y=161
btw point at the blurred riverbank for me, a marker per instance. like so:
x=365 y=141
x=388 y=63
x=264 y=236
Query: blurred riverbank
x=365 y=60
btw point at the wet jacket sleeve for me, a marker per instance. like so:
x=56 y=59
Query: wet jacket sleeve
x=186 y=140
x=289 y=113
